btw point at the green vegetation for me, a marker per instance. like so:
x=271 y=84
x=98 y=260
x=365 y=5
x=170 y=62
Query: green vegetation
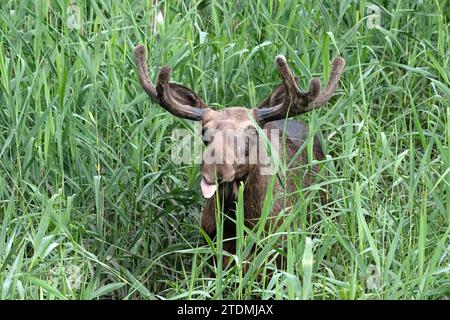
x=91 y=205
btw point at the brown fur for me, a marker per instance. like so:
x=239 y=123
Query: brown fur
x=285 y=101
x=256 y=185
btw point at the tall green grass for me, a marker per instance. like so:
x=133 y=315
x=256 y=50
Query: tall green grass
x=91 y=205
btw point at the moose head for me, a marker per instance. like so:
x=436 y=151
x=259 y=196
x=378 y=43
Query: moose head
x=286 y=101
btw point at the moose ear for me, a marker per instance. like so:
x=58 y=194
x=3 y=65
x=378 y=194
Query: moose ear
x=275 y=98
x=186 y=96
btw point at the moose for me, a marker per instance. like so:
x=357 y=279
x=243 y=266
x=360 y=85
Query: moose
x=222 y=179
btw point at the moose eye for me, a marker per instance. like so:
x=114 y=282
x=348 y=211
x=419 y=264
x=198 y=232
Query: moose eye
x=206 y=136
x=247 y=147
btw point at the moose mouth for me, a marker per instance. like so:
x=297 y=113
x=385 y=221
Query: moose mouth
x=227 y=189
x=208 y=189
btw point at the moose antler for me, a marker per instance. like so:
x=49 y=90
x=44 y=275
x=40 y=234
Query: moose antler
x=296 y=102
x=177 y=99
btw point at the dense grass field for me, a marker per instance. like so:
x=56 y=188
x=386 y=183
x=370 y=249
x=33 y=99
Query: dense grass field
x=92 y=206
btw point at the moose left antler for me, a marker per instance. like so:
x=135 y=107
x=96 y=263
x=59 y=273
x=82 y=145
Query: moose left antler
x=222 y=177
x=296 y=102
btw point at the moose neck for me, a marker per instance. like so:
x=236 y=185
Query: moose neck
x=255 y=186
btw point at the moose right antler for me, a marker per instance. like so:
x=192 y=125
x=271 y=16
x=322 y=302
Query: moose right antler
x=178 y=100
x=223 y=176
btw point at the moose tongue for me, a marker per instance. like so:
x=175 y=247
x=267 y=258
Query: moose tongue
x=208 y=190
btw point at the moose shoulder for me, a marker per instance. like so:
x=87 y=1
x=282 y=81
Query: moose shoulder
x=232 y=140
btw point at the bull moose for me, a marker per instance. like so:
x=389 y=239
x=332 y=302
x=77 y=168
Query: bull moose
x=222 y=178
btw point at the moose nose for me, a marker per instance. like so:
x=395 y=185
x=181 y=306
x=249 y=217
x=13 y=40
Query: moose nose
x=213 y=179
